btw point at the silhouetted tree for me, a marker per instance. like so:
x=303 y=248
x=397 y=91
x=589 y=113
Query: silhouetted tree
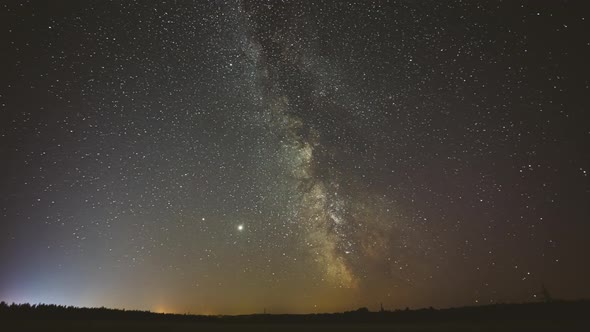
x=546 y=295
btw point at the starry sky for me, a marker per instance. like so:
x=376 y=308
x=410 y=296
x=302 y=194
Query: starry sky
x=223 y=157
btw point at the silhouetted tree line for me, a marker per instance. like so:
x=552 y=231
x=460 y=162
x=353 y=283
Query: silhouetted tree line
x=550 y=311
x=58 y=312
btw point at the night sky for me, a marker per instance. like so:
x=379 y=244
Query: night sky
x=222 y=157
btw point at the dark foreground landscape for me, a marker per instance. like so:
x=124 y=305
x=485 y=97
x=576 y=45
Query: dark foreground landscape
x=554 y=316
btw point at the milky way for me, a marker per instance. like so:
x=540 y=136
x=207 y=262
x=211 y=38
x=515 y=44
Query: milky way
x=293 y=156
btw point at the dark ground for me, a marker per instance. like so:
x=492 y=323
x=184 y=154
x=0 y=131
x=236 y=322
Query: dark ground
x=554 y=316
x=133 y=325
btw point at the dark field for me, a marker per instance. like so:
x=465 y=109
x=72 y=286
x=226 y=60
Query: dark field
x=556 y=316
x=197 y=326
